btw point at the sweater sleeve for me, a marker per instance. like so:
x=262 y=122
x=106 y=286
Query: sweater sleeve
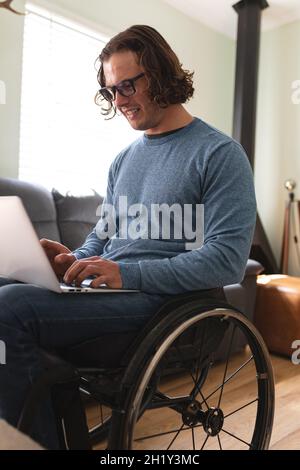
x=229 y=220
x=97 y=239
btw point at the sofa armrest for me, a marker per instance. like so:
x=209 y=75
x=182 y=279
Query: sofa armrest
x=243 y=295
x=253 y=268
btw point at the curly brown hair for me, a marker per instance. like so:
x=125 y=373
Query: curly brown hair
x=168 y=82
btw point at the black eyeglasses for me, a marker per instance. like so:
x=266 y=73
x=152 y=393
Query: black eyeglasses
x=125 y=88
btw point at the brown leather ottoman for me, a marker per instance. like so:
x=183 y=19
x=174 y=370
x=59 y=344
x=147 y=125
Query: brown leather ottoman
x=277 y=311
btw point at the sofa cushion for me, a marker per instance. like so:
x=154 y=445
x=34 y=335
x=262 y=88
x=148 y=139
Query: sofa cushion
x=76 y=216
x=38 y=202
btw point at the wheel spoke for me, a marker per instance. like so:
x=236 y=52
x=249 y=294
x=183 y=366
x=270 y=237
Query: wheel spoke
x=193 y=439
x=229 y=378
x=172 y=431
x=241 y=407
x=195 y=389
x=235 y=437
x=219 y=440
x=206 y=439
x=169 y=446
x=226 y=366
x=198 y=368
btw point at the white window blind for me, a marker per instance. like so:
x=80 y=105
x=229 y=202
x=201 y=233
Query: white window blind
x=65 y=142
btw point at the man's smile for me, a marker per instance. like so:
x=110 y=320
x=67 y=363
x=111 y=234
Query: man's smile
x=130 y=113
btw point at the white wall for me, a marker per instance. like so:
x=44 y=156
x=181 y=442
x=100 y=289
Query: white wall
x=278 y=130
x=11 y=38
x=209 y=54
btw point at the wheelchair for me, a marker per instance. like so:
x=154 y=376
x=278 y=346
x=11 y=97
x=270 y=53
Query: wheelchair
x=198 y=377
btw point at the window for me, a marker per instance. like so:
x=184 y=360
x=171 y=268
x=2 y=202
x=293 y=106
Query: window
x=65 y=142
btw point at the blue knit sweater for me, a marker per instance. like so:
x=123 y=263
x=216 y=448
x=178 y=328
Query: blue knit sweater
x=195 y=165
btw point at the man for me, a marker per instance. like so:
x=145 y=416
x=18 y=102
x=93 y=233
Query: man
x=180 y=162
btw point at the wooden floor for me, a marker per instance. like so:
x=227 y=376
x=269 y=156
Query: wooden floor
x=286 y=430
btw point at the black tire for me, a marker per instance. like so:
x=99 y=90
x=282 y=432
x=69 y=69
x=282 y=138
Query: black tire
x=189 y=342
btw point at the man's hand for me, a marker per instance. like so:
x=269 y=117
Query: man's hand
x=59 y=256
x=106 y=272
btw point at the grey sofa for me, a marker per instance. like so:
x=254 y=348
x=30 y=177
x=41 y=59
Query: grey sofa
x=69 y=219
x=64 y=218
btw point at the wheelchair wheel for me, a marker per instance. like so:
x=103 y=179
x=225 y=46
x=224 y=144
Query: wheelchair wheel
x=188 y=388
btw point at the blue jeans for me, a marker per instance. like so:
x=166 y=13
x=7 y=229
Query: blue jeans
x=32 y=318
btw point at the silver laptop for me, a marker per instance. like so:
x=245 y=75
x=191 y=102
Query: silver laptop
x=22 y=257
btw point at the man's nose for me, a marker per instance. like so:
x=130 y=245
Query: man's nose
x=121 y=100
